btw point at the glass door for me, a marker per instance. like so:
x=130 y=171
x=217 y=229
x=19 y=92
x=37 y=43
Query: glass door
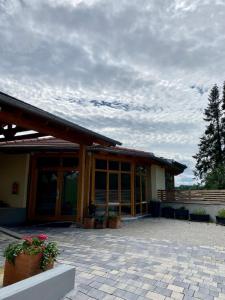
x=47 y=192
x=69 y=193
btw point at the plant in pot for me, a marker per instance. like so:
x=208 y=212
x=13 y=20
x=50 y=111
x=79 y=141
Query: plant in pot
x=181 y=213
x=220 y=218
x=200 y=215
x=89 y=220
x=100 y=222
x=114 y=221
x=31 y=256
x=168 y=212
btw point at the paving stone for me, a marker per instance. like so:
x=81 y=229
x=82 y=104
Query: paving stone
x=107 y=288
x=129 y=264
x=175 y=288
x=154 y=296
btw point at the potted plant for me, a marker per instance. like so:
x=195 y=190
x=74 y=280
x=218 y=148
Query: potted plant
x=100 y=222
x=155 y=208
x=114 y=221
x=200 y=215
x=28 y=257
x=89 y=220
x=220 y=218
x=168 y=212
x=182 y=213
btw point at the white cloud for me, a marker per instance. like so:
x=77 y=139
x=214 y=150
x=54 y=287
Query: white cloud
x=149 y=65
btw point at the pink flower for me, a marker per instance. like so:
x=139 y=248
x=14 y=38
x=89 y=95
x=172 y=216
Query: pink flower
x=28 y=239
x=42 y=237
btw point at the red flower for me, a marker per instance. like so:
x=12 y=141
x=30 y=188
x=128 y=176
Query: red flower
x=42 y=237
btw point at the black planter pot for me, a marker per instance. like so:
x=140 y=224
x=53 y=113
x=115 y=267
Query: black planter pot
x=220 y=220
x=182 y=214
x=155 y=208
x=199 y=218
x=167 y=212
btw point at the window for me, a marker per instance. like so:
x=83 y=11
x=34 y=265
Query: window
x=71 y=162
x=125 y=188
x=125 y=166
x=113 y=188
x=140 y=198
x=101 y=164
x=169 y=181
x=112 y=185
x=114 y=165
x=100 y=187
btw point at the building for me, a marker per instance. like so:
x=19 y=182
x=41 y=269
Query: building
x=52 y=169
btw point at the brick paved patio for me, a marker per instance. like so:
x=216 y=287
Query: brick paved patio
x=131 y=263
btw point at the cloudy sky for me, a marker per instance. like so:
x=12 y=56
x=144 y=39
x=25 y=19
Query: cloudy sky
x=138 y=71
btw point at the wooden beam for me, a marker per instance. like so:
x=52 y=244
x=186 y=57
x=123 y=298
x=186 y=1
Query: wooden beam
x=81 y=187
x=22 y=137
x=40 y=125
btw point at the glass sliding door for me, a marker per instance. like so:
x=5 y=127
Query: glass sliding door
x=47 y=191
x=69 y=193
x=56 y=188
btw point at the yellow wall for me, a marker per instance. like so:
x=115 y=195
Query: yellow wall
x=14 y=168
x=157 y=180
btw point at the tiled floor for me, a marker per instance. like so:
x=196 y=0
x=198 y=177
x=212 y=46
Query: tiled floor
x=146 y=259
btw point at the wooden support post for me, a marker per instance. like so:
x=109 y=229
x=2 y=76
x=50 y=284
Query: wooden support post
x=81 y=188
x=132 y=189
x=87 y=195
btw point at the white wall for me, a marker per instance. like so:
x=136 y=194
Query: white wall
x=14 y=168
x=157 y=180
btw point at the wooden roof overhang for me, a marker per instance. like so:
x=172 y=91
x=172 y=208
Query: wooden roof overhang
x=18 y=119
x=171 y=165
x=54 y=145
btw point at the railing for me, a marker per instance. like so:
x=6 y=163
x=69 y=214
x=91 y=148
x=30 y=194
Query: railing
x=192 y=196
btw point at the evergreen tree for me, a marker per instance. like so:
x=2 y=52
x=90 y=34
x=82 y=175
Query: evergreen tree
x=210 y=154
x=223 y=118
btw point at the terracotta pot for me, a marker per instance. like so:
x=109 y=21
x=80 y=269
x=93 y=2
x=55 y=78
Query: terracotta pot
x=100 y=225
x=114 y=223
x=24 y=267
x=89 y=223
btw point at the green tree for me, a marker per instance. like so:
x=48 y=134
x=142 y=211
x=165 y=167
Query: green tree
x=210 y=154
x=216 y=178
x=223 y=118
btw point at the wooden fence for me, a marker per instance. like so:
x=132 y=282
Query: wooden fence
x=192 y=196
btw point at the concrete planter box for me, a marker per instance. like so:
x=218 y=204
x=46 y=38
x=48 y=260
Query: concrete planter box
x=167 y=212
x=155 y=207
x=181 y=214
x=199 y=218
x=49 y=285
x=24 y=267
x=220 y=220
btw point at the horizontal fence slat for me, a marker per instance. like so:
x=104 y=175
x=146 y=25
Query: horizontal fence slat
x=192 y=196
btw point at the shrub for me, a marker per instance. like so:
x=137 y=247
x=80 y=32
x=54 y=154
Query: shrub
x=221 y=213
x=113 y=216
x=200 y=212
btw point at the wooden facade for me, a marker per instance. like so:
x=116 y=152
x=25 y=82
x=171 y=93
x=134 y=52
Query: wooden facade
x=116 y=185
